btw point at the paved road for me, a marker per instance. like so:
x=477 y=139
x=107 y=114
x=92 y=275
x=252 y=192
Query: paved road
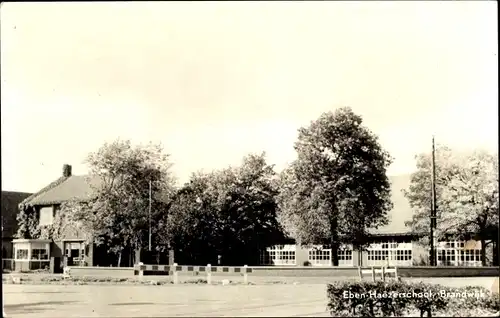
x=167 y=301
x=301 y=300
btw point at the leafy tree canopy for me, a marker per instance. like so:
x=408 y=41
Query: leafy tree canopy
x=118 y=213
x=337 y=189
x=229 y=212
x=466 y=195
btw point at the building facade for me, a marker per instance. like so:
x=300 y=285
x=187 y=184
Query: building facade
x=391 y=245
x=43 y=206
x=381 y=253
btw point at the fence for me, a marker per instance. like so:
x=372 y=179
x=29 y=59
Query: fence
x=174 y=270
x=305 y=273
x=101 y=271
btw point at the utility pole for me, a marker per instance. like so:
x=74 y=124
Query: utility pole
x=150 y=215
x=433 y=205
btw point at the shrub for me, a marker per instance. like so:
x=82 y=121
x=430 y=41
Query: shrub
x=307 y=263
x=51 y=279
x=395 y=298
x=422 y=261
x=196 y=281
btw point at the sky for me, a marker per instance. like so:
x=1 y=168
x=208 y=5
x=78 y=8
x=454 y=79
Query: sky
x=214 y=81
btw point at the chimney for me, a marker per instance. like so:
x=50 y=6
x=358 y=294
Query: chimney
x=66 y=170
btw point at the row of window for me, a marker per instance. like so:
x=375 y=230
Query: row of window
x=395 y=255
x=343 y=255
x=320 y=255
x=378 y=253
x=463 y=255
x=459 y=253
x=283 y=255
x=451 y=244
x=36 y=254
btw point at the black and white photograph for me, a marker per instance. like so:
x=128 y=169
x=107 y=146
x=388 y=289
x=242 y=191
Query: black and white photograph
x=250 y=159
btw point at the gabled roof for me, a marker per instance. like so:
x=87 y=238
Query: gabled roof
x=401 y=211
x=64 y=189
x=10 y=202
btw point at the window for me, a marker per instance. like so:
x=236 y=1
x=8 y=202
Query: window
x=21 y=253
x=470 y=257
x=278 y=255
x=345 y=257
x=39 y=254
x=46 y=215
x=402 y=255
x=323 y=256
x=320 y=256
x=378 y=255
x=458 y=253
x=390 y=254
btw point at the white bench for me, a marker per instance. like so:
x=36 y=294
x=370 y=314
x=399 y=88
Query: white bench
x=381 y=270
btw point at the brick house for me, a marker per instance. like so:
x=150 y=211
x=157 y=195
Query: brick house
x=44 y=204
x=72 y=249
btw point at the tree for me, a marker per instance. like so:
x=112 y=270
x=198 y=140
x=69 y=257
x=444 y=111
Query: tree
x=189 y=225
x=230 y=212
x=466 y=195
x=337 y=188
x=117 y=214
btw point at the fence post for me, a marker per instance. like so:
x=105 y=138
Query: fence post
x=209 y=274
x=141 y=271
x=373 y=273
x=245 y=274
x=360 y=273
x=383 y=273
x=176 y=275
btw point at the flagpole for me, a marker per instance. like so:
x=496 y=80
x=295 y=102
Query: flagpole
x=433 y=205
x=150 y=215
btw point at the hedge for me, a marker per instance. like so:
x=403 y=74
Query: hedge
x=396 y=299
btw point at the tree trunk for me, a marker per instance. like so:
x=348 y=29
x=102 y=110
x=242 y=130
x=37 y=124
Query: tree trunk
x=171 y=257
x=130 y=255
x=483 y=252
x=138 y=255
x=495 y=253
x=119 y=258
x=334 y=241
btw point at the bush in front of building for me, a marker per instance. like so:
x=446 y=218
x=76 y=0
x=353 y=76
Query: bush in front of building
x=395 y=298
x=472 y=306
